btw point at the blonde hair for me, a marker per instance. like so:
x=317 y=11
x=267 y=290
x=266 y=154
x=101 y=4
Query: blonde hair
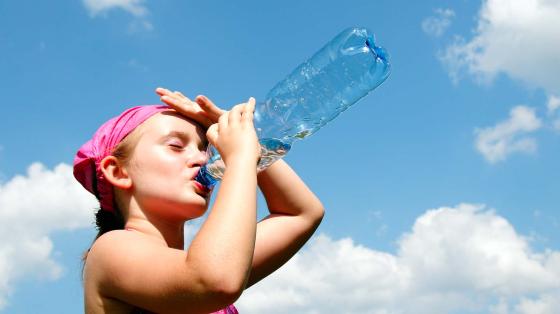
x=106 y=220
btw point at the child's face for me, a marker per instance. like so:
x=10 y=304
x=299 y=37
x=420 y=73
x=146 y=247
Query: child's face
x=167 y=157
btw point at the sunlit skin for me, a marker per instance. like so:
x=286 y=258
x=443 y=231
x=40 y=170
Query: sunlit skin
x=146 y=265
x=168 y=156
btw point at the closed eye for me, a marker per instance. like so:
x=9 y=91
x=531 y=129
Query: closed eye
x=176 y=145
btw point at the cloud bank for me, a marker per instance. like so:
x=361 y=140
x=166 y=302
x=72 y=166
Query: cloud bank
x=518 y=38
x=464 y=258
x=31 y=208
x=454 y=258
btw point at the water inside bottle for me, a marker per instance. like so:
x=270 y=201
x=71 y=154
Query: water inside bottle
x=271 y=150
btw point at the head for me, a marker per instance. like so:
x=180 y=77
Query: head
x=145 y=159
x=154 y=168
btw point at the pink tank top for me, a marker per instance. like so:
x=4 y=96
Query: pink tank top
x=228 y=310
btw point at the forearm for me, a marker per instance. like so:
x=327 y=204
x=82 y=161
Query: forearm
x=225 y=243
x=295 y=214
x=286 y=193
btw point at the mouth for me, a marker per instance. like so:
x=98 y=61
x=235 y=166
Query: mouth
x=201 y=188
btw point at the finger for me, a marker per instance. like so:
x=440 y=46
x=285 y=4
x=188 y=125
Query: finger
x=212 y=134
x=235 y=114
x=252 y=104
x=161 y=91
x=173 y=95
x=183 y=104
x=248 y=110
x=170 y=100
x=178 y=93
x=223 y=120
x=213 y=111
x=188 y=110
x=204 y=101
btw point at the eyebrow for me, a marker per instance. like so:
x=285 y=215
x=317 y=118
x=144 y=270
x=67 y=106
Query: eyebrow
x=184 y=135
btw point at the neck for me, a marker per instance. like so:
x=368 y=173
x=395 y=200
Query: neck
x=168 y=231
x=171 y=235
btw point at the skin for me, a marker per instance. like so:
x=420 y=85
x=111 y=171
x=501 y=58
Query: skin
x=147 y=266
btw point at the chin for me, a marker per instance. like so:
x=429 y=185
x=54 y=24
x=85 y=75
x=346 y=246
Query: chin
x=196 y=210
x=184 y=208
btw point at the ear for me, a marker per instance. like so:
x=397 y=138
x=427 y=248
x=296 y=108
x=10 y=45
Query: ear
x=115 y=173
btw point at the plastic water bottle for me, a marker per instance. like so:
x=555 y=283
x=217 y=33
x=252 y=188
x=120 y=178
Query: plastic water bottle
x=345 y=70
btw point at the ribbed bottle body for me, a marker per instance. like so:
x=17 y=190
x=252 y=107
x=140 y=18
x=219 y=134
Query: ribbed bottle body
x=345 y=70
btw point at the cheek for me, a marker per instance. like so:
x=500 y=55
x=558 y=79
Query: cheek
x=157 y=166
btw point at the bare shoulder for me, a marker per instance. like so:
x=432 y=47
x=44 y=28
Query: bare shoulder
x=128 y=268
x=122 y=242
x=104 y=261
x=118 y=250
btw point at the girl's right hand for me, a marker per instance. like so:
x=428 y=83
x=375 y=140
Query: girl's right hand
x=234 y=135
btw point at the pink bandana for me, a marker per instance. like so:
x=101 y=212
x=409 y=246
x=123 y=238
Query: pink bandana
x=88 y=158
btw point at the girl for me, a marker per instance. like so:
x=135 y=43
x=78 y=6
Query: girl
x=141 y=166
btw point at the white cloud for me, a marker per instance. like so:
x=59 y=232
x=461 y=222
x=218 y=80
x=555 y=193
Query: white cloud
x=134 y=7
x=553 y=104
x=465 y=258
x=437 y=25
x=507 y=137
x=552 y=108
x=500 y=308
x=545 y=304
x=515 y=37
x=31 y=208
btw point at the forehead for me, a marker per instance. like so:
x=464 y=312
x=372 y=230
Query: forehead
x=169 y=121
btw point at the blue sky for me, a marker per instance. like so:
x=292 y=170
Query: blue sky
x=440 y=188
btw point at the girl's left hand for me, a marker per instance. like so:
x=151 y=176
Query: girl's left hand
x=203 y=111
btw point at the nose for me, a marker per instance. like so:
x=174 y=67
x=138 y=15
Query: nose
x=197 y=159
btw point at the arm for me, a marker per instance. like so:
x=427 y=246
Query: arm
x=295 y=214
x=224 y=246
x=205 y=112
x=213 y=273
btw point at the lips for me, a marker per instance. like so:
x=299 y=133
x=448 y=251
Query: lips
x=201 y=188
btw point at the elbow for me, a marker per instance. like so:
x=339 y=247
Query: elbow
x=230 y=290
x=319 y=212
x=316 y=215
x=320 y=215
x=225 y=288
